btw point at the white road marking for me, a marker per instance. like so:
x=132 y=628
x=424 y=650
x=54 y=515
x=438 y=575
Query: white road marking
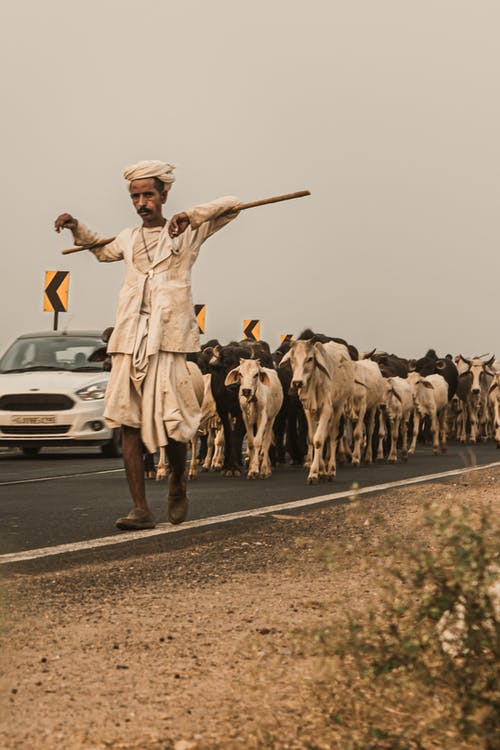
x=60 y=476
x=164 y=528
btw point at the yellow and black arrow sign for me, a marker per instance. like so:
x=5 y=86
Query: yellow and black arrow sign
x=286 y=338
x=251 y=329
x=55 y=298
x=199 y=314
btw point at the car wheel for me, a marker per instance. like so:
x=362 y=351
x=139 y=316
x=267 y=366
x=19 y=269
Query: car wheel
x=113 y=448
x=31 y=452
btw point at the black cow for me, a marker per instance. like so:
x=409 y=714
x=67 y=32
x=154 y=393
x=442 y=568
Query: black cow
x=431 y=364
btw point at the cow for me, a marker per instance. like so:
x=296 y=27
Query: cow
x=261 y=397
x=323 y=376
x=494 y=400
x=431 y=364
x=430 y=398
x=474 y=380
x=368 y=393
x=397 y=405
x=391 y=366
x=222 y=361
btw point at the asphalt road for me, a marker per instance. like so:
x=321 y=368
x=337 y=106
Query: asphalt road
x=65 y=496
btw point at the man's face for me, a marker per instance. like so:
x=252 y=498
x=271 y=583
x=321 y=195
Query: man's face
x=148 y=200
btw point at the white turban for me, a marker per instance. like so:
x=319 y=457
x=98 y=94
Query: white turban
x=143 y=169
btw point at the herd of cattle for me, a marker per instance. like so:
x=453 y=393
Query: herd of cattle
x=318 y=400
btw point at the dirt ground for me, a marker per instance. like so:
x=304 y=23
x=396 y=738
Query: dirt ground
x=196 y=648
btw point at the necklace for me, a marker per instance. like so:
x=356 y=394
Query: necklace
x=145 y=246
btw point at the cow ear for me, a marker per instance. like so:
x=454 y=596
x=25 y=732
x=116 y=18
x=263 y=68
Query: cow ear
x=426 y=384
x=285 y=358
x=264 y=377
x=493 y=386
x=233 y=376
x=320 y=359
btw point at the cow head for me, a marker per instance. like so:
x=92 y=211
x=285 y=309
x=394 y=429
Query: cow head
x=305 y=358
x=478 y=370
x=248 y=374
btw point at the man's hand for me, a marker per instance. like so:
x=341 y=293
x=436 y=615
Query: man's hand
x=65 y=221
x=178 y=224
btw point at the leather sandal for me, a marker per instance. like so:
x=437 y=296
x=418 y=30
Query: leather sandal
x=136 y=521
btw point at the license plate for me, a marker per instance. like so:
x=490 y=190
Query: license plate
x=29 y=419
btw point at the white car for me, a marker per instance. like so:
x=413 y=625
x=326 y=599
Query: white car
x=52 y=393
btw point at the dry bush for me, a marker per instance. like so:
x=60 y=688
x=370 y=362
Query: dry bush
x=421 y=670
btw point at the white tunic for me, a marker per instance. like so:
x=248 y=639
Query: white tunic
x=150 y=387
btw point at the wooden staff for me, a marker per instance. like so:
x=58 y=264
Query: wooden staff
x=239 y=207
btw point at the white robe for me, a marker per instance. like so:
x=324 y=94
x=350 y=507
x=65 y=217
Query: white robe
x=150 y=387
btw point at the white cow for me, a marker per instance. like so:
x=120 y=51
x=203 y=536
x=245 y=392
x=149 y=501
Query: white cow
x=430 y=397
x=323 y=376
x=475 y=378
x=398 y=408
x=260 y=396
x=368 y=394
x=494 y=400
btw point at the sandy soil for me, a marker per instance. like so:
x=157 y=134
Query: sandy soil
x=196 y=648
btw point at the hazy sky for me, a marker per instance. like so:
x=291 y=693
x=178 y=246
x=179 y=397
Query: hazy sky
x=387 y=110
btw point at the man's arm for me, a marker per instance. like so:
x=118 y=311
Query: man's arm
x=82 y=235
x=206 y=218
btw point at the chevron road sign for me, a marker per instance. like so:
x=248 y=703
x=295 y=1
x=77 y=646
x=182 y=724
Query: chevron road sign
x=55 y=296
x=286 y=338
x=199 y=314
x=251 y=329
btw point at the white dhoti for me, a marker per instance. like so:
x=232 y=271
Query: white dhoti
x=154 y=394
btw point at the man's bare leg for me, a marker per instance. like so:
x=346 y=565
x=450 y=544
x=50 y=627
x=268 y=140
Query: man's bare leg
x=140 y=517
x=177 y=506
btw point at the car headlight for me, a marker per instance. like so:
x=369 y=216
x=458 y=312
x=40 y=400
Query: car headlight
x=93 y=392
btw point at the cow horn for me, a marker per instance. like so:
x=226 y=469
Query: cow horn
x=490 y=361
x=467 y=361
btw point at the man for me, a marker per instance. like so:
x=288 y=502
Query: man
x=150 y=394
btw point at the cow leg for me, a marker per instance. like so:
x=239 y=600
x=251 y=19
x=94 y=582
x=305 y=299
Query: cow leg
x=463 y=422
x=218 y=459
x=473 y=422
x=161 y=470
x=416 y=427
x=311 y=429
x=359 y=426
x=369 y=436
x=394 y=426
x=435 y=433
x=253 y=445
x=404 y=438
x=149 y=464
x=265 y=463
x=442 y=430
x=334 y=432
x=210 y=450
x=192 y=473
x=319 y=438
x=381 y=436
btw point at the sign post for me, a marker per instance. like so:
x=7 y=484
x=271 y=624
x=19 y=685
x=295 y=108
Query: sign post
x=55 y=296
x=251 y=329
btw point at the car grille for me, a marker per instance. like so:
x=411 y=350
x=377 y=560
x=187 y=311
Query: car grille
x=36 y=402
x=57 y=429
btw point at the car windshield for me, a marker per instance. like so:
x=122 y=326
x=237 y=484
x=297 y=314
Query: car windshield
x=66 y=352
